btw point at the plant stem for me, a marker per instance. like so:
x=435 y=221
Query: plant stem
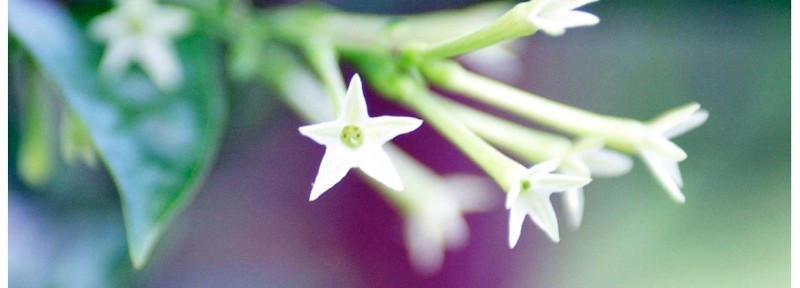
x=532 y=145
x=620 y=133
x=322 y=57
x=495 y=163
x=510 y=25
x=371 y=31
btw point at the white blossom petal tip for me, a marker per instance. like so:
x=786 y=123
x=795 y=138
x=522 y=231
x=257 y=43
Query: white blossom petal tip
x=354 y=140
x=662 y=155
x=555 y=16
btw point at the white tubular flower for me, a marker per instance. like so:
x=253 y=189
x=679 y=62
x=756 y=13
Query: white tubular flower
x=142 y=31
x=661 y=155
x=587 y=158
x=435 y=216
x=354 y=140
x=529 y=194
x=555 y=16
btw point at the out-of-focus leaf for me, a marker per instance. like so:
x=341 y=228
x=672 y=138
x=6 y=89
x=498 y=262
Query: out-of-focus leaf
x=158 y=147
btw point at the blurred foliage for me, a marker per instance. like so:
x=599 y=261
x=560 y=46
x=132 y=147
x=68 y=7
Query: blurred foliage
x=156 y=145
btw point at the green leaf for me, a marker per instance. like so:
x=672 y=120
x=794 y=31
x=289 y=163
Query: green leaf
x=158 y=147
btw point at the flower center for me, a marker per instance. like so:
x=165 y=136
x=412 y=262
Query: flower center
x=352 y=136
x=136 y=25
x=525 y=185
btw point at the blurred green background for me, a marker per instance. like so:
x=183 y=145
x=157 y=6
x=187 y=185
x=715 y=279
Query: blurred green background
x=733 y=57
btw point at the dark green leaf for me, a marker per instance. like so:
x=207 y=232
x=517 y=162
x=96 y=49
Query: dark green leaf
x=157 y=146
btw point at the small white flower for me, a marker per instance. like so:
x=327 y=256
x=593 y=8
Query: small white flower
x=555 y=16
x=661 y=155
x=587 y=158
x=529 y=194
x=354 y=140
x=141 y=31
x=435 y=216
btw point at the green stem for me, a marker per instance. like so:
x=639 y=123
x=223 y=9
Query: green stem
x=370 y=31
x=322 y=57
x=532 y=145
x=495 y=163
x=620 y=133
x=509 y=26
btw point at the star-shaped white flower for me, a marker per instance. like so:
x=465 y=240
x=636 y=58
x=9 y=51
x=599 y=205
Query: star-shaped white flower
x=529 y=194
x=661 y=155
x=354 y=140
x=555 y=16
x=587 y=158
x=141 y=31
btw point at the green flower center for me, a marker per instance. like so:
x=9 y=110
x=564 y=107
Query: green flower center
x=352 y=136
x=525 y=185
x=136 y=25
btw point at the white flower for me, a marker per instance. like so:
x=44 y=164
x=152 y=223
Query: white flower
x=354 y=140
x=141 y=31
x=529 y=194
x=661 y=155
x=435 y=216
x=587 y=158
x=555 y=16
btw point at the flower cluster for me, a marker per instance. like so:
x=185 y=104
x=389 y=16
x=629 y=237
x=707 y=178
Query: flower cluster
x=434 y=209
x=402 y=66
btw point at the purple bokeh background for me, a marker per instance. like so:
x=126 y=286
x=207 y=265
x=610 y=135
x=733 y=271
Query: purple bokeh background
x=252 y=220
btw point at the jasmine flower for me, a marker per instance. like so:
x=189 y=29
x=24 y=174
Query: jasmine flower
x=529 y=194
x=354 y=140
x=142 y=31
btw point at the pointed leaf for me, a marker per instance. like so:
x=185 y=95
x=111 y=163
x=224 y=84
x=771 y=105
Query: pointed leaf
x=157 y=147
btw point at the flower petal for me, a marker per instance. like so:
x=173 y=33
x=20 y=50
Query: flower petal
x=662 y=168
x=354 y=107
x=375 y=163
x=542 y=214
x=512 y=195
x=425 y=251
x=607 y=163
x=472 y=193
x=573 y=165
x=695 y=120
x=661 y=145
x=564 y=5
x=326 y=133
x=171 y=20
x=550 y=27
x=543 y=168
x=571 y=19
x=335 y=164
x=159 y=59
x=515 y=219
x=118 y=56
x=107 y=26
x=381 y=129
x=573 y=200
x=550 y=183
x=672 y=118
